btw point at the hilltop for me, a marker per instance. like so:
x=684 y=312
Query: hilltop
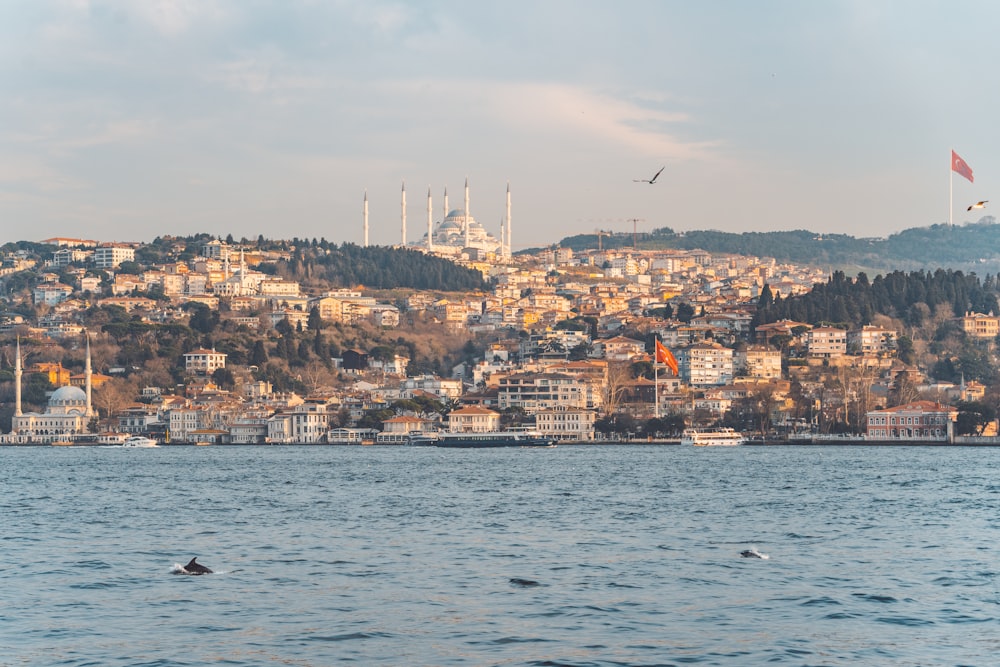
x=970 y=247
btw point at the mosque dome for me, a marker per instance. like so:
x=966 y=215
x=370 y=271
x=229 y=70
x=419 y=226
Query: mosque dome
x=68 y=397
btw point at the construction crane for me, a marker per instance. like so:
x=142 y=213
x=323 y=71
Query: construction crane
x=601 y=233
x=635 y=222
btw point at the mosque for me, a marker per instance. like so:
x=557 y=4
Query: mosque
x=68 y=413
x=449 y=235
x=456 y=233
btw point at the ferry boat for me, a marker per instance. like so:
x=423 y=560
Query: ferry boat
x=712 y=437
x=485 y=440
x=139 y=441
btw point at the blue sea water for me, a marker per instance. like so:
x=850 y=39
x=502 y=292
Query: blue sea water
x=540 y=557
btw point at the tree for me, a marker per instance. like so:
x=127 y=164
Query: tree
x=315 y=322
x=973 y=416
x=204 y=319
x=113 y=396
x=619 y=376
x=904 y=389
x=258 y=354
x=224 y=379
x=685 y=312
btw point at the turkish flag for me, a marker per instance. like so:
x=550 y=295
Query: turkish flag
x=665 y=356
x=959 y=166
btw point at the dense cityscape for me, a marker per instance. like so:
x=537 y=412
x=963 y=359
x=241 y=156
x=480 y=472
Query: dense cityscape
x=223 y=341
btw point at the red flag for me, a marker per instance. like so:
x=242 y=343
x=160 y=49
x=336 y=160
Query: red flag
x=665 y=356
x=959 y=166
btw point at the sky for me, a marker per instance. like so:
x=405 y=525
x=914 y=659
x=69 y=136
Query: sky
x=129 y=120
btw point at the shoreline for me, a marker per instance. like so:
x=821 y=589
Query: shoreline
x=839 y=442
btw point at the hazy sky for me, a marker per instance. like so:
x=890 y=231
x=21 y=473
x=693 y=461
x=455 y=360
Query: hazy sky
x=129 y=120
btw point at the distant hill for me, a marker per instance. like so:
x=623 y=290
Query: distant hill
x=971 y=247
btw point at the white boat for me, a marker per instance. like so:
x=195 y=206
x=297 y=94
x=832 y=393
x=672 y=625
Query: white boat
x=712 y=437
x=139 y=441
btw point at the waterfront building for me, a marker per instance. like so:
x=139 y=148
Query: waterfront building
x=566 y=423
x=68 y=413
x=919 y=420
x=473 y=419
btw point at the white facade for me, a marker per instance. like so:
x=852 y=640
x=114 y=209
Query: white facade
x=706 y=365
x=110 y=256
x=204 y=361
x=566 y=423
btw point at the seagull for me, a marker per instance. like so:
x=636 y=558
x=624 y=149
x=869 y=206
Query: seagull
x=651 y=180
x=978 y=204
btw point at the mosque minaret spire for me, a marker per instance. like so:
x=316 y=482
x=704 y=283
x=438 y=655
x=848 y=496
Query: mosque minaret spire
x=445 y=216
x=17 y=379
x=402 y=243
x=87 y=377
x=365 y=216
x=430 y=222
x=466 y=223
x=506 y=251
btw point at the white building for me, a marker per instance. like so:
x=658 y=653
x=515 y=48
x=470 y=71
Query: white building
x=566 y=423
x=705 y=364
x=204 y=361
x=473 y=419
x=110 y=256
x=68 y=413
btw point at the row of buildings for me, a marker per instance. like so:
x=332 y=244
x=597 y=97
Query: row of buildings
x=561 y=378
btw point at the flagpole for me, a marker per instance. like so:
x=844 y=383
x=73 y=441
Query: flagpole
x=656 y=380
x=951 y=192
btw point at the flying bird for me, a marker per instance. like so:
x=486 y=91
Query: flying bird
x=978 y=204
x=651 y=180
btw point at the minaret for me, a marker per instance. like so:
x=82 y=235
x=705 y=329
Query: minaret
x=430 y=223
x=466 y=223
x=506 y=252
x=366 y=219
x=403 y=207
x=445 y=216
x=87 y=373
x=17 y=380
x=502 y=246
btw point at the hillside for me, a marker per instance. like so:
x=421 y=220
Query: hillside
x=971 y=247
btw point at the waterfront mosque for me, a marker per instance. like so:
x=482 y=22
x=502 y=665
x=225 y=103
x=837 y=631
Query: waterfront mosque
x=68 y=413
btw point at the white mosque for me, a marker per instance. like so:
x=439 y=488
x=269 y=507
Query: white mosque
x=450 y=235
x=456 y=233
x=68 y=413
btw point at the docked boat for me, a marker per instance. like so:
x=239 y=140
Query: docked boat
x=139 y=441
x=422 y=438
x=712 y=437
x=491 y=439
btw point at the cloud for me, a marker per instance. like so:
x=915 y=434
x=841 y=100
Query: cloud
x=533 y=108
x=174 y=17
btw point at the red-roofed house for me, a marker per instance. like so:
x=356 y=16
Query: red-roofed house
x=920 y=420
